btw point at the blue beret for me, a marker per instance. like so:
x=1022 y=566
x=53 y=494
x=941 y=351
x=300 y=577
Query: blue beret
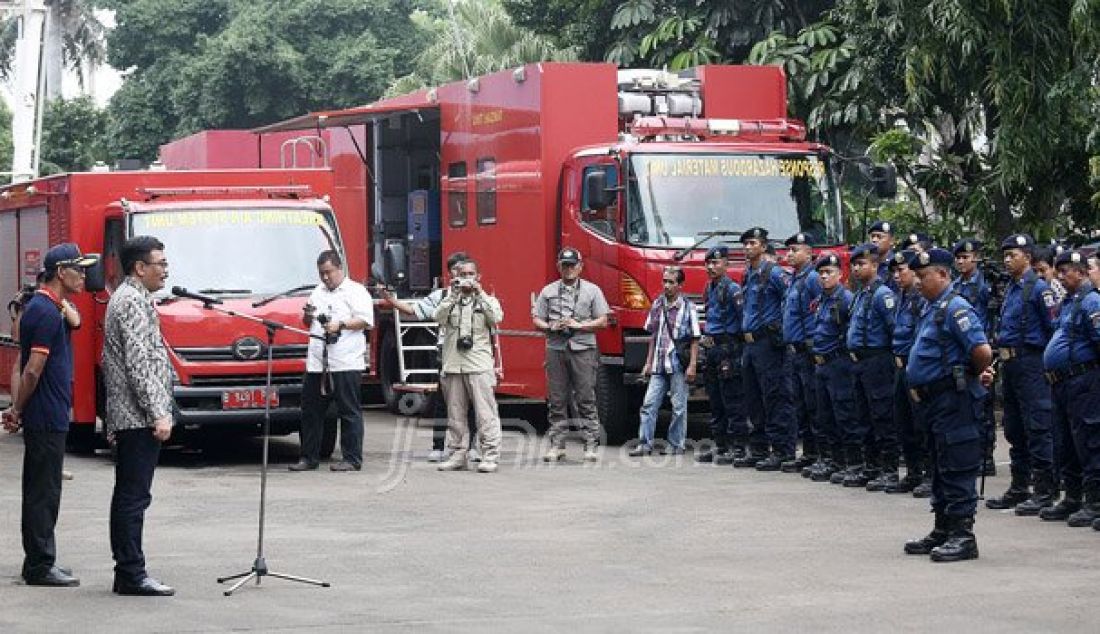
x=917 y=238
x=932 y=257
x=903 y=257
x=967 y=245
x=1069 y=257
x=864 y=250
x=759 y=233
x=798 y=238
x=827 y=259
x=1018 y=241
x=884 y=226
x=715 y=253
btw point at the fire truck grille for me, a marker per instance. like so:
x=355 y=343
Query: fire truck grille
x=290 y=351
x=245 y=380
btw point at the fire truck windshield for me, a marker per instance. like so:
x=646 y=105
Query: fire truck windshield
x=672 y=198
x=252 y=251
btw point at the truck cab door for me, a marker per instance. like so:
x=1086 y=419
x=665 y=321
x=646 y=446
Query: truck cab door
x=591 y=226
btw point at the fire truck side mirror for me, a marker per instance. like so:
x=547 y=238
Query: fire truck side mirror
x=885 y=178
x=595 y=190
x=95 y=278
x=395 y=263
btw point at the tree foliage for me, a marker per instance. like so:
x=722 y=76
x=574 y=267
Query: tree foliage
x=73 y=135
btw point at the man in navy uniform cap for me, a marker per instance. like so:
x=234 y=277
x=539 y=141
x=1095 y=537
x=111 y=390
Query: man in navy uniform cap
x=722 y=344
x=1026 y=324
x=917 y=241
x=910 y=423
x=881 y=234
x=833 y=382
x=798 y=336
x=872 y=447
x=1072 y=364
x=767 y=387
x=971 y=284
x=949 y=354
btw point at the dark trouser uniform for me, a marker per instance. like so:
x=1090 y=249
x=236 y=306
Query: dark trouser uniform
x=571 y=379
x=875 y=429
x=1027 y=418
x=768 y=397
x=726 y=393
x=836 y=405
x=955 y=448
x=911 y=428
x=43 y=455
x=346 y=394
x=799 y=366
x=138 y=452
x=1077 y=430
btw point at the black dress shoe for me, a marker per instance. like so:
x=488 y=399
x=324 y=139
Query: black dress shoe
x=303 y=465
x=54 y=577
x=344 y=466
x=639 y=451
x=147 y=587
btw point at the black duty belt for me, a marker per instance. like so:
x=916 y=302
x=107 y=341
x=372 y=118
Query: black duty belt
x=900 y=360
x=823 y=358
x=1077 y=369
x=859 y=354
x=929 y=391
x=723 y=339
x=756 y=336
x=1008 y=354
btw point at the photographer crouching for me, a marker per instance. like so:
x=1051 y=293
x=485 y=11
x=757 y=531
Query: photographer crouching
x=337 y=313
x=467 y=318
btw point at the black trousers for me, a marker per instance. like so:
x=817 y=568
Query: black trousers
x=138 y=452
x=346 y=394
x=43 y=455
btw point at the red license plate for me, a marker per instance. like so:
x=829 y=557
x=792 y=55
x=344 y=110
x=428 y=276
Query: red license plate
x=248 y=399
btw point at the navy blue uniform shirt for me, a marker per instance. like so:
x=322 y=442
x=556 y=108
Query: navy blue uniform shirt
x=975 y=290
x=910 y=308
x=42 y=328
x=723 y=301
x=1030 y=325
x=797 y=312
x=872 y=324
x=763 y=298
x=939 y=346
x=1077 y=339
x=831 y=315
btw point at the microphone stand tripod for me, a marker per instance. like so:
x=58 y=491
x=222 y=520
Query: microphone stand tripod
x=259 y=568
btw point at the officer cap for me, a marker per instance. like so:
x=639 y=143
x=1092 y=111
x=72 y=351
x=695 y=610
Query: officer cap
x=827 y=259
x=1018 y=241
x=718 y=252
x=932 y=257
x=883 y=226
x=917 y=239
x=798 y=238
x=903 y=257
x=569 y=255
x=864 y=250
x=67 y=254
x=967 y=245
x=759 y=233
x=1070 y=257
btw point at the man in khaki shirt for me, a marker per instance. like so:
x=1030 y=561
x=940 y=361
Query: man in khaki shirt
x=467 y=318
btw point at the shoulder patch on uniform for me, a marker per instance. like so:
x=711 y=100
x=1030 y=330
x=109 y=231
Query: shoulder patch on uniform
x=962 y=319
x=1049 y=300
x=888 y=301
x=1095 y=317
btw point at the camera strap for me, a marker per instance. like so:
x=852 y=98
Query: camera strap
x=326 y=376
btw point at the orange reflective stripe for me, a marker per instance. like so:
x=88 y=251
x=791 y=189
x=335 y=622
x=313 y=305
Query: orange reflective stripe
x=41 y=349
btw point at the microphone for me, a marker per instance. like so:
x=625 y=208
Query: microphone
x=180 y=291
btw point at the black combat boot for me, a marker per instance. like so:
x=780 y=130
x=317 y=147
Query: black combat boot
x=750 y=458
x=721 y=445
x=808 y=457
x=1069 y=504
x=1096 y=524
x=1017 y=492
x=960 y=545
x=774 y=462
x=924 y=489
x=889 y=475
x=912 y=479
x=1089 y=512
x=856 y=474
x=925 y=544
x=1042 y=495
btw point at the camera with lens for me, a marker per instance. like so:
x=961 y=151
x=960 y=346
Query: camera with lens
x=330 y=337
x=567 y=332
x=465 y=342
x=460 y=283
x=16 y=305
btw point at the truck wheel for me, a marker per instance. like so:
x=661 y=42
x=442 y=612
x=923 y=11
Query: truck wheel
x=387 y=371
x=617 y=404
x=328 y=437
x=413 y=404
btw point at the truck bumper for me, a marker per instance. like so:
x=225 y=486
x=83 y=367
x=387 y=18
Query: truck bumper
x=202 y=407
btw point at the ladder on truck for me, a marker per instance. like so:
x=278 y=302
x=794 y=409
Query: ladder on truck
x=417 y=363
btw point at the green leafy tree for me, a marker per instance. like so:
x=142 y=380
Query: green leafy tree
x=73 y=135
x=6 y=149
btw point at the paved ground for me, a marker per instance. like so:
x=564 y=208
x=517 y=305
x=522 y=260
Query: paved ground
x=622 y=546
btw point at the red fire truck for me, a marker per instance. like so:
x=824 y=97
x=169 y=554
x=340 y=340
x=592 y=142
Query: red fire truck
x=239 y=235
x=636 y=169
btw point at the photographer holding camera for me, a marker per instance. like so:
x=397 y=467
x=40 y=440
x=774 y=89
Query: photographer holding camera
x=339 y=310
x=467 y=317
x=569 y=311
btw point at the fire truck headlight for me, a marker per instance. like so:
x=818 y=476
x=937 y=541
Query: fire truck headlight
x=633 y=294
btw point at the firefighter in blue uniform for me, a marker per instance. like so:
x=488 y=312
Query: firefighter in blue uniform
x=971 y=284
x=767 y=387
x=918 y=242
x=804 y=289
x=881 y=235
x=1025 y=326
x=874 y=440
x=722 y=345
x=945 y=362
x=910 y=307
x=1072 y=364
x=835 y=387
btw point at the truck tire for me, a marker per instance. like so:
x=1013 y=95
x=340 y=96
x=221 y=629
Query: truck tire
x=617 y=404
x=387 y=370
x=328 y=437
x=413 y=404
